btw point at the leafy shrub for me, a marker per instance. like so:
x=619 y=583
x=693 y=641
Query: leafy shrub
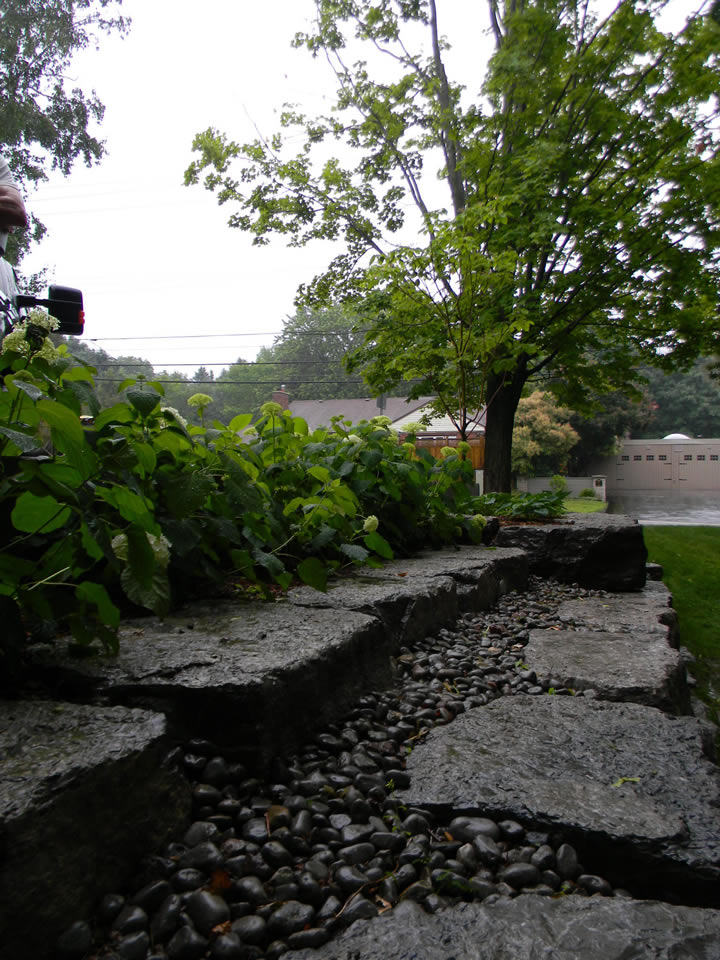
x=521 y=506
x=139 y=508
x=558 y=484
x=587 y=492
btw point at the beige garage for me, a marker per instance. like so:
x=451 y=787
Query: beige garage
x=673 y=463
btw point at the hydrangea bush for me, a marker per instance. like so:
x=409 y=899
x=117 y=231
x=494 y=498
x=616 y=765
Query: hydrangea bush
x=136 y=508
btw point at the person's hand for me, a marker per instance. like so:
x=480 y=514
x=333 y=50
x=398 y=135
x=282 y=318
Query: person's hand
x=12 y=209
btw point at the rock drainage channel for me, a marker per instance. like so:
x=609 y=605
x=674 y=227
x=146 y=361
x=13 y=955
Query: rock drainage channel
x=271 y=866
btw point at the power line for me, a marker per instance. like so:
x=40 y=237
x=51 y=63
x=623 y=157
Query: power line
x=214 y=363
x=207 y=336
x=241 y=383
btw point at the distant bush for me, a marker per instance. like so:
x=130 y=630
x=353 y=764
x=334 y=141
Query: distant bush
x=520 y=506
x=558 y=484
x=587 y=492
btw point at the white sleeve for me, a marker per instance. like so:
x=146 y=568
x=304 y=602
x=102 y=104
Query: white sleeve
x=6 y=179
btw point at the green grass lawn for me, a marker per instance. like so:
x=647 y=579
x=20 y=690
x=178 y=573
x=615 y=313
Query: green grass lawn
x=690 y=557
x=584 y=505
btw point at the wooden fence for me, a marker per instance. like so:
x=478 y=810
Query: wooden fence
x=435 y=444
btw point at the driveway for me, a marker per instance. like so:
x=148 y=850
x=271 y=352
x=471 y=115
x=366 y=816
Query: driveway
x=668 y=507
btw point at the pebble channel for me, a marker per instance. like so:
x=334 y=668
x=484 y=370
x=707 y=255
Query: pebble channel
x=270 y=866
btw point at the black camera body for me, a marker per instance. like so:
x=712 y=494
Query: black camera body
x=63 y=303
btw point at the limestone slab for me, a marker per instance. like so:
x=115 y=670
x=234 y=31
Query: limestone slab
x=85 y=792
x=639 y=613
x=409 y=609
x=598 y=550
x=530 y=927
x=633 y=787
x=618 y=666
x=417 y=596
x=481 y=573
x=259 y=678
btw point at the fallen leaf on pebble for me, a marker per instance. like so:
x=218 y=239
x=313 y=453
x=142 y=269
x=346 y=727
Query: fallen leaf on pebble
x=220 y=880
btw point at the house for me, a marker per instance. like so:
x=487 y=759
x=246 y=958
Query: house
x=401 y=411
x=440 y=432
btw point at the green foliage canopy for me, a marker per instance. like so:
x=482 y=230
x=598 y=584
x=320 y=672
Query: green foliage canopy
x=45 y=122
x=582 y=208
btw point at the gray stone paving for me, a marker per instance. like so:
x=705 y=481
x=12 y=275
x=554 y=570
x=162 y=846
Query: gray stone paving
x=624 y=777
x=530 y=928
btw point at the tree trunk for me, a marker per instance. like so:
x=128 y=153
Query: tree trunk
x=504 y=391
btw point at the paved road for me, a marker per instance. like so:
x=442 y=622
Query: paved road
x=668 y=507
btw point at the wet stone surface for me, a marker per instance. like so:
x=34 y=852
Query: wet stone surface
x=638 y=667
x=289 y=861
x=528 y=927
x=628 y=779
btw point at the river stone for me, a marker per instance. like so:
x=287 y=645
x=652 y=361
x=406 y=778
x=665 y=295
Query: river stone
x=641 y=668
x=633 y=789
x=528 y=927
x=257 y=677
x=599 y=550
x=84 y=794
x=645 y=611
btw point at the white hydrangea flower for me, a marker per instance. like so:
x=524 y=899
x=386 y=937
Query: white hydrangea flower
x=15 y=342
x=175 y=415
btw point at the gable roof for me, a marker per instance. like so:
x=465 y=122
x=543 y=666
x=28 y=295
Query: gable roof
x=318 y=413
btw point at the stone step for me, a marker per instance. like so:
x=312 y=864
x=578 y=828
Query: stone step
x=85 y=792
x=622 y=647
x=634 y=790
x=530 y=927
x=262 y=678
x=643 y=611
x=415 y=596
x=616 y=666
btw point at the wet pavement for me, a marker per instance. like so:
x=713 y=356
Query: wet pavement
x=668 y=507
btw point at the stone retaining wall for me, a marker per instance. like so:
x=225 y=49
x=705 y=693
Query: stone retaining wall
x=253 y=676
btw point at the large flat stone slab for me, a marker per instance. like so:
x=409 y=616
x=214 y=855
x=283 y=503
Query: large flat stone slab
x=598 y=550
x=531 y=927
x=259 y=678
x=417 y=596
x=85 y=792
x=642 y=612
x=481 y=573
x=408 y=610
x=634 y=789
x=618 y=666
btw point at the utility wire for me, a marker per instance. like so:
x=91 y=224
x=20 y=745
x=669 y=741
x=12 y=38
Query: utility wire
x=207 y=336
x=242 y=383
x=214 y=363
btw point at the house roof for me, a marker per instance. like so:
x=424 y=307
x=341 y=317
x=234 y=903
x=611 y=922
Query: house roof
x=318 y=413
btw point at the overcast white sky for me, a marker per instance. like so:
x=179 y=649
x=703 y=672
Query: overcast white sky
x=155 y=258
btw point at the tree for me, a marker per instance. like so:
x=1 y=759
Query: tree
x=683 y=402
x=614 y=416
x=542 y=437
x=44 y=121
x=308 y=356
x=582 y=211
